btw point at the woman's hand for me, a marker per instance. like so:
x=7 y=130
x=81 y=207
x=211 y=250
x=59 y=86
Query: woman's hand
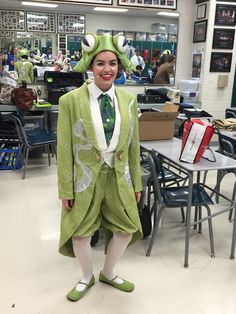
x=67 y=204
x=138 y=196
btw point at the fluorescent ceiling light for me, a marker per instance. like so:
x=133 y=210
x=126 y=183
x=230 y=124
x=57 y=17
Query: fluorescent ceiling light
x=168 y=13
x=40 y=4
x=110 y=9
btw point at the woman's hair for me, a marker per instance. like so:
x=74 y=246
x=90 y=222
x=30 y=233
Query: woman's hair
x=170 y=58
x=12 y=50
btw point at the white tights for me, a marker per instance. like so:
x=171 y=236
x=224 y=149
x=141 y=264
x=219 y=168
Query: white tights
x=115 y=250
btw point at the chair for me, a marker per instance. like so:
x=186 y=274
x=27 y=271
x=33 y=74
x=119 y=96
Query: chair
x=230 y=113
x=32 y=139
x=10 y=144
x=226 y=147
x=166 y=177
x=174 y=197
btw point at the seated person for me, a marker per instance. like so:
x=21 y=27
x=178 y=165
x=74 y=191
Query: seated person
x=121 y=77
x=139 y=71
x=165 y=70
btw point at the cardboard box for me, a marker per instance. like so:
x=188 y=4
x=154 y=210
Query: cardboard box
x=156 y=125
x=170 y=107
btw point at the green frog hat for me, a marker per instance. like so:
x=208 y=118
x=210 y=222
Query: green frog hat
x=93 y=44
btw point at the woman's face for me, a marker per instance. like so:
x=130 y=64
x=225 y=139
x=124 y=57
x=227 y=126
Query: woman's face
x=105 y=69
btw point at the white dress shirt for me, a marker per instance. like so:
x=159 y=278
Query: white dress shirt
x=138 y=60
x=107 y=152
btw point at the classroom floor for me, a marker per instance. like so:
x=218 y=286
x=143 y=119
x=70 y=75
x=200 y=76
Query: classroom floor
x=35 y=277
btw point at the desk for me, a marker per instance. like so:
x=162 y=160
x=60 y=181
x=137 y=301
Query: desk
x=12 y=108
x=47 y=110
x=170 y=150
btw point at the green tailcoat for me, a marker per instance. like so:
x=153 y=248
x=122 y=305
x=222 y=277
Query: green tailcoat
x=79 y=160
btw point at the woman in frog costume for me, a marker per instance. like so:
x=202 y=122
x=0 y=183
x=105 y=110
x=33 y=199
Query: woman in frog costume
x=98 y=164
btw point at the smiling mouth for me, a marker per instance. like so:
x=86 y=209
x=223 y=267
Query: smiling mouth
x=106 y=77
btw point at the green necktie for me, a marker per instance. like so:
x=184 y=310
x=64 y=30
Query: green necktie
x=108 y=117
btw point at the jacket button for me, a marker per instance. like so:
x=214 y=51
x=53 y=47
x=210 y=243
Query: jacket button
x=121 y=155
x=98 y=157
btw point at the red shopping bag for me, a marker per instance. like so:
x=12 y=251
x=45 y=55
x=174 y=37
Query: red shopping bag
x=197 y=135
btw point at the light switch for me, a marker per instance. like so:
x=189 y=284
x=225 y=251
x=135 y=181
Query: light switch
x=222 y=81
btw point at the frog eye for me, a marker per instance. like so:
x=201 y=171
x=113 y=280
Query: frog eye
x=89 y=42
x=120 y=43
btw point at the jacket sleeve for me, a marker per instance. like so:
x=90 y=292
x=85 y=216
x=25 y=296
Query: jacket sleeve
x=134 y=153
x=31 y=73
x=65 y=152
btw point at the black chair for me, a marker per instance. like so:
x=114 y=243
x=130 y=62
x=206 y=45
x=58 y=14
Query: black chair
x=227 y=146
x=32 y=139
x=230 y=113
x=10 y=144
x=175 y=197
x=167 y=177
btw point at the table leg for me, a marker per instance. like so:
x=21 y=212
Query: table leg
x=234 y=234
x=188 y=220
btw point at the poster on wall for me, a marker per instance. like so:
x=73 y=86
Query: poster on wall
x=196 y=65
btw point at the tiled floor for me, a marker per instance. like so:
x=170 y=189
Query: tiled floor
x=35 y=278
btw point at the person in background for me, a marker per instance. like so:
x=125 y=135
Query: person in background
x=24 y=68
x=165 y=70
x=139 y=71
x=2 y=61
x=12 y=58
x=137 y=59
x=98 y=163
x=121 y=76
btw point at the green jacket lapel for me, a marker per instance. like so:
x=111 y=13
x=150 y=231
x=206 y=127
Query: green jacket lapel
x=86 y=114
x=125 y=118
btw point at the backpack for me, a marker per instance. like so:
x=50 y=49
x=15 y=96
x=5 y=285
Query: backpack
x=146 y=221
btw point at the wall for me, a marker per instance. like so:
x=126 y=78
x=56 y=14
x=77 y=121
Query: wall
x=214 y=99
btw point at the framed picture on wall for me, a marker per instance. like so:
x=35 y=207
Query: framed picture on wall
x=201 y=1
x=12 y=20
x=223 y=38
x=201 y=11
x=40 y=22
x=220 y=61
x=154 y=4
x=225 y=15
x=199 y=32
x=103 y=2
x=70 y=23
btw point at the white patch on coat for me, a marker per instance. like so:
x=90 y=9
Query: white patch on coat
x=127 y=174
x=84 y=182
x=131 y=132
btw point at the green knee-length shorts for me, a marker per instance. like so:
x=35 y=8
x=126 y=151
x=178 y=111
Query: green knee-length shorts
x=106 y=208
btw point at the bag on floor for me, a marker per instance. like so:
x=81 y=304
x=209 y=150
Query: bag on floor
x=146 y=221
x=196 y=138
